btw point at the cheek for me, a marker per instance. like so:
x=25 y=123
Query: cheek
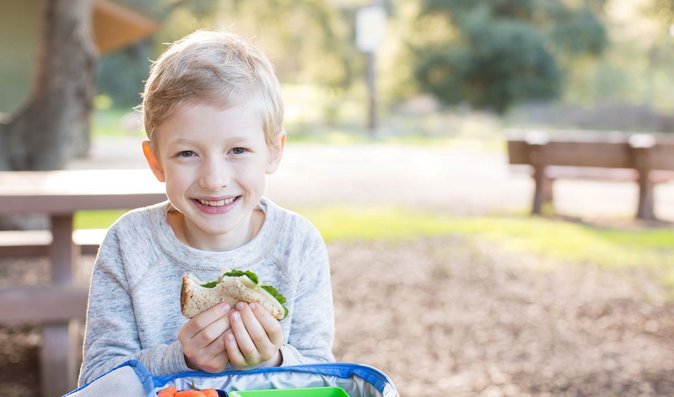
x=252 y=173
x=177 y=177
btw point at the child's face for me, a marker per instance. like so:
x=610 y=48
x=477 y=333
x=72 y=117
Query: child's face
x=214 y=163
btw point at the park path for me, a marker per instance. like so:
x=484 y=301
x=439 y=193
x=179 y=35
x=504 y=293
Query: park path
x=457 y=180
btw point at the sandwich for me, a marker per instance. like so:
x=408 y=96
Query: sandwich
x=232 y=287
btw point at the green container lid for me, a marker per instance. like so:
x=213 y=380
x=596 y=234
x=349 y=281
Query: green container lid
x=304 y=392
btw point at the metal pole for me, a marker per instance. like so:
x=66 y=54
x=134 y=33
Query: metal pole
x=372 y=94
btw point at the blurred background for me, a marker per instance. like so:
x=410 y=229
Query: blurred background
x=397 y=114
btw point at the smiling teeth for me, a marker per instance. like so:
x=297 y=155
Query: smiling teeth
x=218 y=203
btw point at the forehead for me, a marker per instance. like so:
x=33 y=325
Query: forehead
x=205 y=120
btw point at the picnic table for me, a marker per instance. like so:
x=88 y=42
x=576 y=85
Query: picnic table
x=59 y=306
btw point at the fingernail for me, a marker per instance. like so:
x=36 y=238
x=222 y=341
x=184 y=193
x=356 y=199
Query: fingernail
x=235 y=316
x=230 y=337
x=225 y=308
x=240 y=305
x=252 y=305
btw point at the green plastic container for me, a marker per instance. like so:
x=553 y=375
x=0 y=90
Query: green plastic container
x=304 y=392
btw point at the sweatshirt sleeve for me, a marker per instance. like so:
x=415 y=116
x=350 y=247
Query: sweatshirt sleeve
x=312 y=330
x=111 y=336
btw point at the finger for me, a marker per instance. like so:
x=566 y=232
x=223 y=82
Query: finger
x=216 y=363
x=215 y=348
x=234 y=355
x=205 y=318
x=212 y=332
x=256 y=331
x=201 y=346
x=243 y=339
x=264 y=330
x=208 y=358
x=271 y=325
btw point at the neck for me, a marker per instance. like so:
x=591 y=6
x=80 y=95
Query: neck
x=224 y=242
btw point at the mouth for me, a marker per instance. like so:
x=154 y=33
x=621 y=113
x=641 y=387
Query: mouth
x=217 y=203
x=215 y=206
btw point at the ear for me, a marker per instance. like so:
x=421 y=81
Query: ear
x=153 y=161
x=276 y=152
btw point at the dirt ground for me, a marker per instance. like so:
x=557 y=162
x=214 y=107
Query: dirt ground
x=444 y=317
x=447 y=317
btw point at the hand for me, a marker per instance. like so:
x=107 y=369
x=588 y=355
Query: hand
x=202 y=339
x=255 y=337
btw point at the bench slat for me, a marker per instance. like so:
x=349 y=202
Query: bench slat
x=663 y=156
x=595 y=173
x=44 y=304
x=21 y=243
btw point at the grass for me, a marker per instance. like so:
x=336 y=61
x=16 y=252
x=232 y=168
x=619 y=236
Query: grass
x=111 y=122
x=551 y=239
x=96 y=219
x=556 y=240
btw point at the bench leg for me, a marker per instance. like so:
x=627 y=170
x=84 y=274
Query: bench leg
x=548 y=196
x=61 y=348
x=542 y=192
x=642 y=159
x=645 y=208
x=59 y=358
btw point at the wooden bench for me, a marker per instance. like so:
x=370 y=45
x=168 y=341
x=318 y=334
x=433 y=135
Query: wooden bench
x=44 y=305
x=25 y=243
x=60 y=306
x=646 y=159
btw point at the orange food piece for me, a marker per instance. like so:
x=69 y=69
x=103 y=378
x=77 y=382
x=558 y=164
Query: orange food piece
x=167 y=392
x=189 y=393
x=171 y=391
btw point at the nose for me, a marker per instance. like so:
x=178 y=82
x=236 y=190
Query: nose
x=214 y=175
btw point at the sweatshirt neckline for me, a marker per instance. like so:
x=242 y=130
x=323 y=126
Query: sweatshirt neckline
x=196 y=259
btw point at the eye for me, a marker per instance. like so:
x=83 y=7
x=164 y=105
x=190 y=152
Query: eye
x=239 y=150
x=186 y=154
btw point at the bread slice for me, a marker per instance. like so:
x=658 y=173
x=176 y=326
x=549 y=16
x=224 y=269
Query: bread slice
x=196 y=297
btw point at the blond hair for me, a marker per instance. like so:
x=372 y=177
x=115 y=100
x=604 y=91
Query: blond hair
x=219 y=68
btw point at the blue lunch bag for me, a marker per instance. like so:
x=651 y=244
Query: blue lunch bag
x=132 y=379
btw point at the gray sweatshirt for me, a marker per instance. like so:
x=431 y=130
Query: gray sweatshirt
x=134 y=300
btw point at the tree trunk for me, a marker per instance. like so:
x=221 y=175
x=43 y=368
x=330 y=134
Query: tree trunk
x=54 y=124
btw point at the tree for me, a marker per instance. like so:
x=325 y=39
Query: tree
x=500 y=52
x=43 y=134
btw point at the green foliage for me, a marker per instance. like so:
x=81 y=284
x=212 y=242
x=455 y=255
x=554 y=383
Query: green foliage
x=502 y=52
x=121 y=75
x=579 y=32
x=494 y=66
x=306 y=40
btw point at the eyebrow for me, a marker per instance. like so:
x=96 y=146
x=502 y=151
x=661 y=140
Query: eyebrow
x=231 y=140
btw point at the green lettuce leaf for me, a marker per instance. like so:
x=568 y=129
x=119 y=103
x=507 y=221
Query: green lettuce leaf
x=238 y=273
x=210 y=284
x=273 y=292
x=278 y=296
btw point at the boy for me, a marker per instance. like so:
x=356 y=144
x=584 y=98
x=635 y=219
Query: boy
x=213 y=116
